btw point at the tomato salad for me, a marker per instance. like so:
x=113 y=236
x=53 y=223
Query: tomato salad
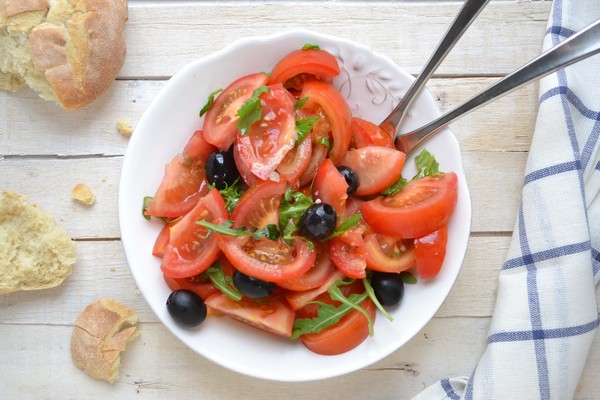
x=289 y=214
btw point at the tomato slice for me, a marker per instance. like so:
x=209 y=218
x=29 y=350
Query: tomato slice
x=220 y=121
x=366 y=133
x=330 y=187
x=421 y=207
x=268 y=140
x=430 y=251
x=259 y=205
x=317 y=156
x=296 y=161
x=316 y=276
x=348 y=253
x=247 y=176
x=318 y=63
x=268 y=260
x=197 y=147
x=325 y=101
x=182 y=186
x=387 y=254
x=194 y=284
x=191 y=250
x=158 y=250
x=377 y=168
x=297 y=300
x=272 y=316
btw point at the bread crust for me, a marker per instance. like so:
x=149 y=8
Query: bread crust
x=79 y=47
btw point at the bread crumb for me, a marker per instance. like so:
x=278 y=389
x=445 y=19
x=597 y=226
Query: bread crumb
x=83 y=194
x=124 y=127
x=100 y=335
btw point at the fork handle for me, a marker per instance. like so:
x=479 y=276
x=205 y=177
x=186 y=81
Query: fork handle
x=583 y=44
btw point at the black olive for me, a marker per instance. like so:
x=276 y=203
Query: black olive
x=186 y=308
x=221 y=169
x=318 y=221
x=252 y=287
x=351 y=179
x=388 y=288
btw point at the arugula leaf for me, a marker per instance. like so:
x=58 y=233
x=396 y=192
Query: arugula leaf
x=371 y=293
x=396 y=187
x=144 y=207
x=222 y=282
x=336 y=294
x=327 y=316
x=309 y=46
x=325 y=142
x=210 y=101
x=408 y=278
x=231 y=194
x=251 y=110
x=304 y=126
x=301 y=103
x=291 y=208
x=346 y=224
x=426 y=165
x=270 y=231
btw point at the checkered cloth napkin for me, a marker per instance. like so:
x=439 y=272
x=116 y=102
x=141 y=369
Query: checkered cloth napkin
x=546 y=314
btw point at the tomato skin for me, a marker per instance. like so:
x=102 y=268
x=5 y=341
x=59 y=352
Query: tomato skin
x=335 y=109
x=378 y=259
x=259 y=205
x=296 y=161
x=268 y=140
x=330 y=187
x=191 y=250
x=162 y=240
x=316 y=276
x=349 y=258
x=272 y=316
x=183 y=184
x=367 y=162
x=234 y=250
x=421 y=207
x=317 y=156
x=247 y=176
x=430 y=252
x=193 y=284
x=197 y=147
x=299 y=299
x=344 y=336
x=220 y=121
x=318 y=63
x=366 y=133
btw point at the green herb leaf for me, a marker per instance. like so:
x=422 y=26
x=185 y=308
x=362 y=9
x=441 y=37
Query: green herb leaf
x=210 y=101
x=325 y=142
x=270 y=231
x=304 y=126
x=251 y=110
x=222 y=282
x=408 y=278
x=346 y=224
x=396 y=187
x=144 y=207
x=301 y=102
x=327 y=316
x=231 y=194
x=309 y=46
x=371 y=293
x=336 y=294
x=291 y=208
x=426 y=165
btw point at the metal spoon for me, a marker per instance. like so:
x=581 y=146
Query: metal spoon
x=576 y=48
x=467 y=14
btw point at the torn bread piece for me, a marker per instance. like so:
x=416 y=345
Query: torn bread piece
x=101 y=333
x=124 y=127
x=35 y=253
x=83 y=194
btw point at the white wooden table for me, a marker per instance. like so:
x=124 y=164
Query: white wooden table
x=44 y=152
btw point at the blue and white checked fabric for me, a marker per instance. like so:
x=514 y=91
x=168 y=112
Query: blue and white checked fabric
x=546 y=314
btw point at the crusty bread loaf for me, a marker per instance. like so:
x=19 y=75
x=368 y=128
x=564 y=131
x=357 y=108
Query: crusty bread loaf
x=35 y=253
x=69 y=51
x=100 y=334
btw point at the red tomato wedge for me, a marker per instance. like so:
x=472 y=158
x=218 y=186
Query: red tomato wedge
x=420 y=208
x=318 y=63
x=430 y=252
x=194 y=284
x=377 y=168
x=325 y=101
x=272 y=137
x=318 y=154
x=387 y=254
x=330 y=187
x=268 y=260
x=162 y=240
x=297 y=300
x=182 y=186
x=316 y=276
x=247 y=176
x=296 y=161
x=366 y=133
x=191 y=250
x=272 y=316
x=259 y=205
x=349 y=255
x=220 y=121
x=197 y=147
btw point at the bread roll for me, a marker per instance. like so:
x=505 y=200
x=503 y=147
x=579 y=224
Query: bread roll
x=69 y=51
x=35 y=253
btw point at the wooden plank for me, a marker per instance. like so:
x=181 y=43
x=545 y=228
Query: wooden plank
x=407 y=32
x=29 y=125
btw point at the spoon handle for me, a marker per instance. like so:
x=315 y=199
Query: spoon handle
x=467 y=14
x=576 y=48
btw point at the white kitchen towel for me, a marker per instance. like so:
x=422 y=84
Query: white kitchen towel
x=546 y=314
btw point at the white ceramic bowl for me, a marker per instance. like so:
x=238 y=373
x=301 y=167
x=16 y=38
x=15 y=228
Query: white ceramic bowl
x=372 y=84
